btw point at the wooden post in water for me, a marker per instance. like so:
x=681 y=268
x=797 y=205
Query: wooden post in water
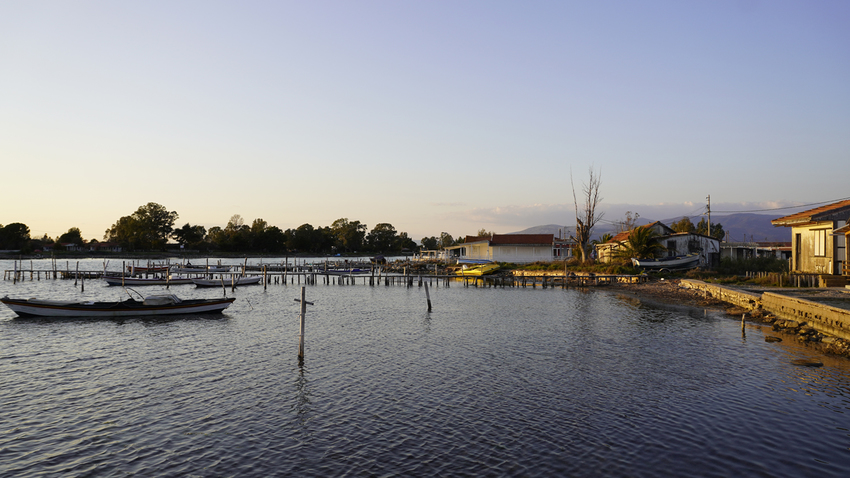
x=265 y=278
x=77 y=274
x=123 y=268
x=428 y=297
x=301 y=318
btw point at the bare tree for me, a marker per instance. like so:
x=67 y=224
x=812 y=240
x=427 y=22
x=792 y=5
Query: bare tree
x=587 y=219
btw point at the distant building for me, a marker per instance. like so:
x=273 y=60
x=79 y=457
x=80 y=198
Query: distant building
x=815 y=248
x=748 y=250
x=517 y=248
x=676 y=244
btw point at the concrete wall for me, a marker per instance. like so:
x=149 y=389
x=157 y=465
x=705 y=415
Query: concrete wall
x=823 y=318
x=745 y=300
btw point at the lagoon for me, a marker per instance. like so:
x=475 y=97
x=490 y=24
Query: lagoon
x=492 y=382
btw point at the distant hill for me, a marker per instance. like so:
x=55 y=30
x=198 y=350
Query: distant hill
x=741 y=227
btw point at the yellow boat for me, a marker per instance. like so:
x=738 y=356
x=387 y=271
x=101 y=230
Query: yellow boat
x=478 y=270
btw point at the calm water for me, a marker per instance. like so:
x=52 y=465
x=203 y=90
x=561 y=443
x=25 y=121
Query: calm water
x=493 y=382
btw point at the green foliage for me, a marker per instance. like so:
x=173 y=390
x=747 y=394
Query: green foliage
x=642 y=244
x=684 y=225
x=192 y=237
x=148 y=228
x=73 y=236
x=730 y=266
x=349 y=235
x=716 y=229
x=430 y=243
x=15 y=236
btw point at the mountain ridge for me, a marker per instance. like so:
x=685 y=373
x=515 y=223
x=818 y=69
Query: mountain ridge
x=740 y=227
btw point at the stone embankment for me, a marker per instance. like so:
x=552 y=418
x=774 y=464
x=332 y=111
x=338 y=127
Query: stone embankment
x=809 y=321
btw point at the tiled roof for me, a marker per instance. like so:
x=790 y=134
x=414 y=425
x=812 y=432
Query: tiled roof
x=812 y=215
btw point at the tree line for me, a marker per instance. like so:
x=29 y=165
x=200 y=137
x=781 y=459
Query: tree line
x=152 y=227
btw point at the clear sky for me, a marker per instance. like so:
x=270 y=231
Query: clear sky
x=432 y=116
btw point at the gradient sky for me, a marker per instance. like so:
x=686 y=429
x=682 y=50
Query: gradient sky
x=432 y=116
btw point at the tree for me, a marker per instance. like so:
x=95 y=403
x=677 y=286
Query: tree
x=628 y=223
x=349 y=235
x=602 y=240
x=190 y=236
x=147 y=228
x=484 y=233
x=15 y=236
x=404 y=242
x=430 y=243
x=382 y=238
x=641 y=244
x=272 y=239
x=717 y=231
x=683 y=225
x=446 y=240
x=73 y=236
x=589 y=216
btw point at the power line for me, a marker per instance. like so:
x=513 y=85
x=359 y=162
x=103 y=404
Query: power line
x=790 y=207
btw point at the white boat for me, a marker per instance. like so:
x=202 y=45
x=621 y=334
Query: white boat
x=190 y=269
x=165 y=304
x=227 y=282
x=668 y=263
x=125 y=281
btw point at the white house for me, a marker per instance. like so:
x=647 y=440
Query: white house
x=518 y=248
x=675 y=243
x=814 y=247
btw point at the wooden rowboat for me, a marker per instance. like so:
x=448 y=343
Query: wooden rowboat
x=227 y=282
x=669 y=263
x=132 y=281
x=166 y=304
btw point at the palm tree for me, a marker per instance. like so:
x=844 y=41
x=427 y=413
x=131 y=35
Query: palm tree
x=642 y=244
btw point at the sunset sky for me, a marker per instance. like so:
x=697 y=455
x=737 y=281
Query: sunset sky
x=432 y=116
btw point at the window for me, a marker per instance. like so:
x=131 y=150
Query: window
x=820 y=242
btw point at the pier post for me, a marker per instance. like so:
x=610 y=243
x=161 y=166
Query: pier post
x=304 y=303
x=428 y=297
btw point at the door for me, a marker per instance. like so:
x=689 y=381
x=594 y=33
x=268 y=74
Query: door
x=798 y=239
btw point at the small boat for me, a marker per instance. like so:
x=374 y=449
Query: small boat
x=134 y=270
x=345 y=272
x=190 y=269
x=147 y=281
x=668 y=263
x=478 y=270
x=165 y=304
x=227 y=282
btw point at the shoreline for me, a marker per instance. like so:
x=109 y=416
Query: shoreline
x=669 y=293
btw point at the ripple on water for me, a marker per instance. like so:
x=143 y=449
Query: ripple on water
x=492 y=382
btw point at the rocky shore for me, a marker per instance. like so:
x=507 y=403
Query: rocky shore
x=669 y=292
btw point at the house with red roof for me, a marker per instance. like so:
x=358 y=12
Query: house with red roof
x=818 y=240
x=675 y=244
x=517 y=248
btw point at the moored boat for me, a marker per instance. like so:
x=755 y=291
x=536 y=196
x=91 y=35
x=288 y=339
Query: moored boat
x=125 y=281
x=478 y=270
x=669 y=263
x=226 y=281
x=165 y=304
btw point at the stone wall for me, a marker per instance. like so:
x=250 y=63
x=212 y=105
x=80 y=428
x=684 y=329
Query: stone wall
x=745 y=300
x=823 y=318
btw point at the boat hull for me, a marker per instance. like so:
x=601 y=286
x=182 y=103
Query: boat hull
x=135 y=281
x=226 y=282
x=479 y=270
x=127 y=308
x=684 y=262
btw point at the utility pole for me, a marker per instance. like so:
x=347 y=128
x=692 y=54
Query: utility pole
x=708 y=209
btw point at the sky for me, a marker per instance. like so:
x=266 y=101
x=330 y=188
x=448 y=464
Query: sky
x=437 y=116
